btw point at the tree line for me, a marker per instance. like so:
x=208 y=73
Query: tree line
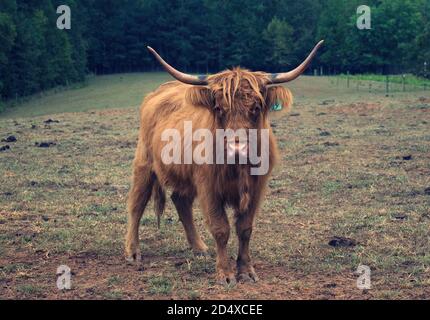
x=111 y=36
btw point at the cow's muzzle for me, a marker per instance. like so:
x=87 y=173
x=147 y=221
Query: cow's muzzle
x=237 y=147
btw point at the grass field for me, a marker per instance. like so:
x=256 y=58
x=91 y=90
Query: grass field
x=128 y=90
x=407 y=79
x=354 y=165
x=103 y=92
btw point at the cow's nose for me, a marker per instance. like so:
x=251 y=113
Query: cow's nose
x=237 y=148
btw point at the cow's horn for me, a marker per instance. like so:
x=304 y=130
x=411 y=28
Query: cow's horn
x=183 y=77
x=293 y=74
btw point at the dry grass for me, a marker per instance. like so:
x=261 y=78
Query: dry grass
x=342 y=174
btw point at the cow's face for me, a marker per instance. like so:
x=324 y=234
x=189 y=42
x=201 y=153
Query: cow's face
x=239 y=100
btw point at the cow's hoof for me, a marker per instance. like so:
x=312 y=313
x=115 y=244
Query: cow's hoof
x=200 y=249
x=249 y=276
x=226 y=280
x=200 y=253
x=134 y=258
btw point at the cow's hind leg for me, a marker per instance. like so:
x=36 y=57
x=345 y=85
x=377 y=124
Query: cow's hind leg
x=140 y=193
x=184 y=206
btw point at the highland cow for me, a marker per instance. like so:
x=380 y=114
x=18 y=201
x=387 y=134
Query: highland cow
x=235 y=99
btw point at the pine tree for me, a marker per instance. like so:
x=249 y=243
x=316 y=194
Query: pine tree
x=7 y=39
x=278 y=40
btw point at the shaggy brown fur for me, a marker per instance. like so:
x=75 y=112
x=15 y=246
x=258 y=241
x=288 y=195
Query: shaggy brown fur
x=233 y=99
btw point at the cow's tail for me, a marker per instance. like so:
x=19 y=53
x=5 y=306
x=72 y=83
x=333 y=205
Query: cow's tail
x=159 y=201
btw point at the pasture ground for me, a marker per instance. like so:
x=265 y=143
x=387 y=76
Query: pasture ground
x=354 y=165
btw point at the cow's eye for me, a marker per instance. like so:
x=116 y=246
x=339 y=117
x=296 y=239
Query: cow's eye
x=218 y=110
x=255 y=113
x=257 y=110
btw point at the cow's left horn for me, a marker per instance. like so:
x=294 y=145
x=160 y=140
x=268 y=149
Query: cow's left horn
x=293 y=74
x=183 y=77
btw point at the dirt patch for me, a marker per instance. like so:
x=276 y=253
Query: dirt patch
x=9 y=139
x=342 y=242
x=356 y=108
x=100 y=277
x=45 y=144
x=49 y=121
x=423 y=100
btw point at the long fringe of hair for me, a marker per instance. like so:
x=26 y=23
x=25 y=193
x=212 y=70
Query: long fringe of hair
x=229 y=81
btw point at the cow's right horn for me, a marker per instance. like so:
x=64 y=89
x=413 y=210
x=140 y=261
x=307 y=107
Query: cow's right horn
x=183 y=77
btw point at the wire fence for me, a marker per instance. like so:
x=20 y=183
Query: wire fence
x=383 y=85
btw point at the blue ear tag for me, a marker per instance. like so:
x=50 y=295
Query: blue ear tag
x=277 y=107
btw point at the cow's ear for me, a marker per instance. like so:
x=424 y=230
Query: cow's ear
x=200 y=96
x=279 y=99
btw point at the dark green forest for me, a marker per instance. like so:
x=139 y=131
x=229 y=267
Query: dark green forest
x=110 y=36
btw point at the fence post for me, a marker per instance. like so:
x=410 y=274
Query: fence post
x=404 y=82
x=387 y=86
x=370 y=87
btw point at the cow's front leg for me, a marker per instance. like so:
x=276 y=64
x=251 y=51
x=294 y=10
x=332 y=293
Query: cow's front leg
x=217 y=221
x=220 y=229
x=245 y=270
